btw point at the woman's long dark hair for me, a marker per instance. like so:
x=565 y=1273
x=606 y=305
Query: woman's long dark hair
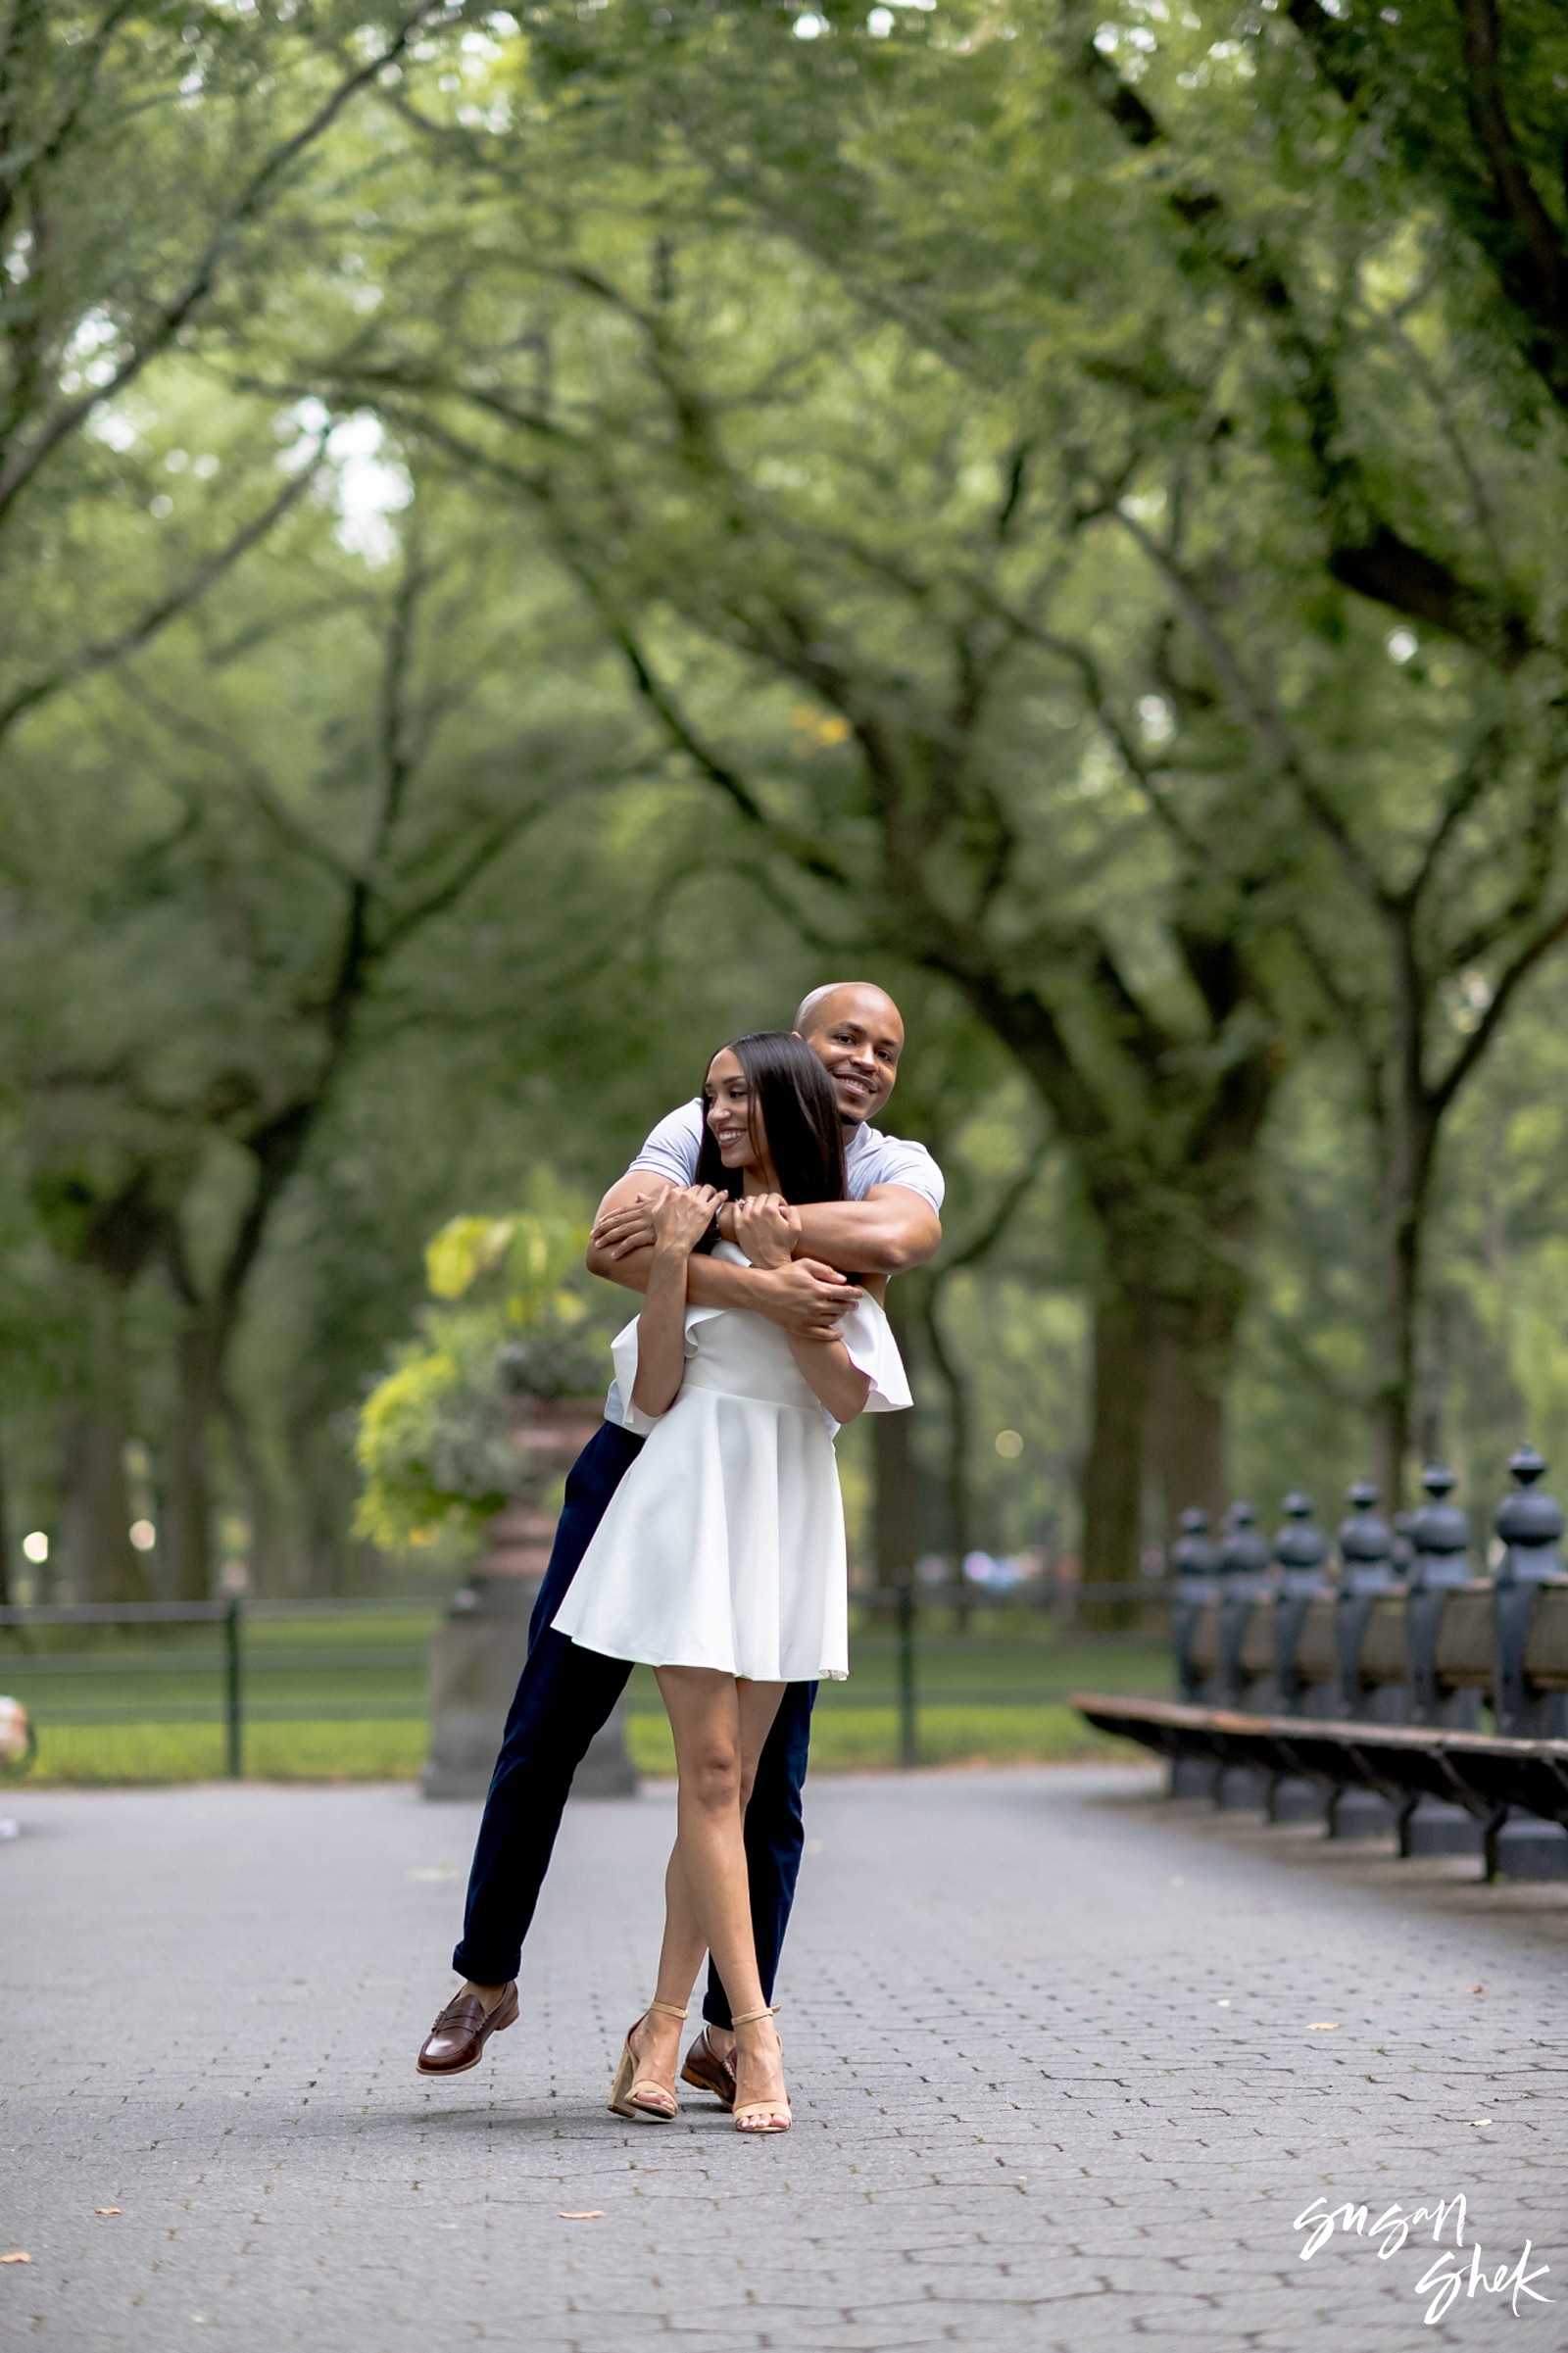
x=794 y=1108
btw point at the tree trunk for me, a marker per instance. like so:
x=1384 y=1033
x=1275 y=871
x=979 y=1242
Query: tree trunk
x=186 y=1530
x=1404 y=1195
x=898 y=1498
x=896 y=1477
x=959 y=1534
x=249 y=1477
x=1185 y=1431
x=97 y=1554
x=1113 y=1468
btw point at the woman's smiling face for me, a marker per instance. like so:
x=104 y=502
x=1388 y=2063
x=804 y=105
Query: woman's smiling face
x=729 y=1113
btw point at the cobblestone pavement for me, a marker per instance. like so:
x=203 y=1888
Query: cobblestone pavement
x=1052 y=2042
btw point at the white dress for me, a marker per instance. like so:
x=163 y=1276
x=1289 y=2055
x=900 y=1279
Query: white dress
x=723 y=1545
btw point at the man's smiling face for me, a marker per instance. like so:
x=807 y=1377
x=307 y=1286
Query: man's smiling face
x=855 y=1033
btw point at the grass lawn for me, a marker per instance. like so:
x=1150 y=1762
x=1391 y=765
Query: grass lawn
x=392 y=1748
x=379 y=1749
x=335 y=1696
x=849 y=1740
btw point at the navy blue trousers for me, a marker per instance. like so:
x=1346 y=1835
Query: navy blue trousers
x=563 y=1697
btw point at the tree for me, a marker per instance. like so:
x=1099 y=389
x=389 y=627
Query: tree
x=657 y=477
x=1427 y=477
x=245 y=909
x=1344 y=372
x=154 y=172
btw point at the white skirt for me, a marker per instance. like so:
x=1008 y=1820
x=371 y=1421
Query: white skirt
x=723 y=1545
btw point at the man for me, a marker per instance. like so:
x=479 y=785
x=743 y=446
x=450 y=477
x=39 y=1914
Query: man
x=565 y=1695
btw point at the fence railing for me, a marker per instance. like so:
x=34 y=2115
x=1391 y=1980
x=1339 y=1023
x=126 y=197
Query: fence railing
x=233 y=1666
x=230 y=1663
x=927 y=1667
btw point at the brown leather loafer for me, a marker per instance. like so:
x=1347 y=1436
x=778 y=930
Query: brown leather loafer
x=709 y=2071
x=457 y=2040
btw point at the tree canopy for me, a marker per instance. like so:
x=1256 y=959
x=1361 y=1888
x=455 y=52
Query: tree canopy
x=554 y=527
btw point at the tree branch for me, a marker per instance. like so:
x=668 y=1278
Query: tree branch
x=1490 y=195
x=1256 y=712
x=1534 y=953
x=1531 y=250
x=1472 y=780
x=130 y=640
x=1368 y=553
x=20 y=466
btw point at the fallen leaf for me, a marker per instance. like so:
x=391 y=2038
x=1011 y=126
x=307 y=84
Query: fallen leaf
x=1478 y=1988
x=1324 y=2026
x=106 y=2210
x=590 y=2214
x=17 y=2257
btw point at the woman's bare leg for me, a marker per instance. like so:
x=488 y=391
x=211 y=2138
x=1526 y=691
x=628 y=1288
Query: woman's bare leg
x=758 y=2064
x=721 y=1725
x=656 y=2038
x=685 y=1947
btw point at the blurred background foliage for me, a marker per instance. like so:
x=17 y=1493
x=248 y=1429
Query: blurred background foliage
x=527 y=539
x=436 y=1446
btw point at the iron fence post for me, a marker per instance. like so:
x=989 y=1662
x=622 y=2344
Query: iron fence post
x=909 y=1717
x=234 y=1713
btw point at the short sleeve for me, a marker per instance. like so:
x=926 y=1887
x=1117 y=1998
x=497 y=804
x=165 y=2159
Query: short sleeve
x=623 y=1356
x=871 y=1348
x=878 y=1159
x=674 y=1145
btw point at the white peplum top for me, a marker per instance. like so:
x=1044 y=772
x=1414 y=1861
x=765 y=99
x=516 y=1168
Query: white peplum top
x=723 y=1545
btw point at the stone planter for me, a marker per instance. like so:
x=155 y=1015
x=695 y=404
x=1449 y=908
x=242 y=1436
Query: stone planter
x=477 y=1655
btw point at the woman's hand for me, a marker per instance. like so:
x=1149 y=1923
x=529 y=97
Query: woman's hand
x=766 y=1228
x=681 y=1217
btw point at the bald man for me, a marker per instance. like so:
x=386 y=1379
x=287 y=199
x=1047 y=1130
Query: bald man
x=891 y=1220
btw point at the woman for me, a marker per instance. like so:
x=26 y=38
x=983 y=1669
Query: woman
x=720 y=1560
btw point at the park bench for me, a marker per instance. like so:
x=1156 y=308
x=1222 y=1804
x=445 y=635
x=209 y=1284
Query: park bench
x=1388 y=1690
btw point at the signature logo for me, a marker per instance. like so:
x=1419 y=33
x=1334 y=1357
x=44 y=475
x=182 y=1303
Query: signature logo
x=1450 y=2274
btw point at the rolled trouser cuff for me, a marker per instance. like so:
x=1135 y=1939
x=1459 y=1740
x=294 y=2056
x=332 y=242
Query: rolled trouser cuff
x=484 y=1968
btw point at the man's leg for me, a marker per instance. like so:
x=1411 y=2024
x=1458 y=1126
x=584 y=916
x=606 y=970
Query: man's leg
x=564 y=1696
x=775 y=1836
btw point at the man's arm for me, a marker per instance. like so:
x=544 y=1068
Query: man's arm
x=886 y=1234
x=622 y=1224
x=805 y=1297
x=893 y=1229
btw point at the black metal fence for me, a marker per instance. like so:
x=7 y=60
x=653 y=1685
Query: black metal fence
x=235 y=1664
x=930 y=1646
x=230 y=1663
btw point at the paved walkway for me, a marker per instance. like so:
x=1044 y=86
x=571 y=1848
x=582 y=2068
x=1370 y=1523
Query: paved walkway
x=1052 y=2043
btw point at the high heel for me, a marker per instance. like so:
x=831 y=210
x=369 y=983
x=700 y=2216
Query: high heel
x=643 y=2096
x=776 y=2113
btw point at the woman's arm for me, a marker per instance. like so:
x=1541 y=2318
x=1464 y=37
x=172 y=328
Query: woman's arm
x=891 y=1229
x=799 y=1294
x=768 y=1229
x=840 y=1384
x=681 y=1217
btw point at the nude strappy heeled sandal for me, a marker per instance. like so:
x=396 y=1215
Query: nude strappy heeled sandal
x=641 y=2096
x=777 y=2112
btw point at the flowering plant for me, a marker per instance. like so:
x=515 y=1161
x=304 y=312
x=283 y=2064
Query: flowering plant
x=510 y=1318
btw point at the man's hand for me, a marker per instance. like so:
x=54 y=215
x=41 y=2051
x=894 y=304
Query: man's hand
x=681 y=1217
x=620 y=1231
x=766 y=1228
x=806 y=1299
